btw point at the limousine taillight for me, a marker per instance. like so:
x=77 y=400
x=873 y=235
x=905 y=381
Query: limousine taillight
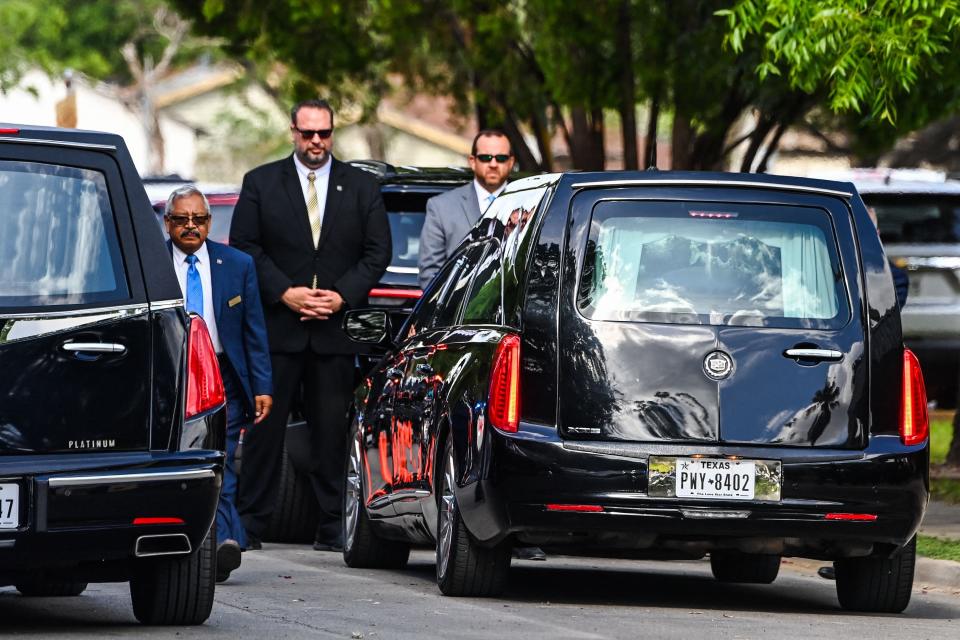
x=914 y=422
x=204 y=385
x=505 y=385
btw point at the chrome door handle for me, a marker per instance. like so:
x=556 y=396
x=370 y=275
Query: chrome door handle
x=94 y=347
x=814 y=354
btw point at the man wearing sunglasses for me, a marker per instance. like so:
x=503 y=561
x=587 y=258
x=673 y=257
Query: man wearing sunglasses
x=452 y=214
x=318 y=232
x=219 y=283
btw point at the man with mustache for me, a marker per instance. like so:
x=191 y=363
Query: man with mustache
x=219 y=283
x=318 y=232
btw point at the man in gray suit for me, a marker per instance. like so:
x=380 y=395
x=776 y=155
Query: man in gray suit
x=452 y=214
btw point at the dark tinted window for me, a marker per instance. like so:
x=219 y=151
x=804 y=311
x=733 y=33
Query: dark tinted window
x=916 y=219
x=59 y=244
x=449 y=309
x=405 y=229
x=712 y=263
x=484 y=304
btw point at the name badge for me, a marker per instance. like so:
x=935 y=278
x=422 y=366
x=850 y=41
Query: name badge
x=234 y=301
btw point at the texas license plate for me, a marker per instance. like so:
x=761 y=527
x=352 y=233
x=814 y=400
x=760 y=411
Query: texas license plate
x=9 y=506
x=714 y=478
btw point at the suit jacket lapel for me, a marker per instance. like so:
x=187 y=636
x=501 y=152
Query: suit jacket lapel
x=470 y=206
x=298 y=206
x=335 y=188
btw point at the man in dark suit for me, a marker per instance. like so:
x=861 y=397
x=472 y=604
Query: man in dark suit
x=318 y=232
x=220 y=284
x=452 y=214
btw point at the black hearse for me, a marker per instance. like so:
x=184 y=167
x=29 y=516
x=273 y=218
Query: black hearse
x=111 y=404
x=654 y=365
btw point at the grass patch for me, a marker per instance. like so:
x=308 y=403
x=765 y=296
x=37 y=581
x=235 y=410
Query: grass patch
x=938 y=548
x=941 y=432
x=945 y=490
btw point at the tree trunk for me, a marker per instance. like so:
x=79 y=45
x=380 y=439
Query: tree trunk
x=521 y=151
x=587 y=138
x=681 y=141
x=628 y=90
x=650 y=144
x=953 y=454
x=772 y=147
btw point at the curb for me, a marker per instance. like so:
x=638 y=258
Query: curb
x=941 y=573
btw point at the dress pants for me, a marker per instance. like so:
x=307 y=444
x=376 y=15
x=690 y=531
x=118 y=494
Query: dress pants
x=229 y=525
x=324 y=385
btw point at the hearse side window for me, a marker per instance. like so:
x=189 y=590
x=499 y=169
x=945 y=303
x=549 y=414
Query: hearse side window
x=484 y=303
x=435 y=305
x=59 y=244
x=712 y=263
x=449 y=308
x=916 y=219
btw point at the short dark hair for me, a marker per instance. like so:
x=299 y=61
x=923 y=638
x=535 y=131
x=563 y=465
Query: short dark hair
x=313 y=103
x=489 y=132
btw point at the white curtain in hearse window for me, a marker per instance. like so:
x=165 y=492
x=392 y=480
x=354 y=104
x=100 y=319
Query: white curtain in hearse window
x=58 y=245
x=710 y=271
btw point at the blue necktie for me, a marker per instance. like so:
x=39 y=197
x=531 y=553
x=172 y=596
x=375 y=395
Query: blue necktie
x=490 y=199
x=194 y=287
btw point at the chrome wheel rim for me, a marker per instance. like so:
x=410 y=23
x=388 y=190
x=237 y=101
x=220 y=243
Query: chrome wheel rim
x=446 y=518
x=351 y=501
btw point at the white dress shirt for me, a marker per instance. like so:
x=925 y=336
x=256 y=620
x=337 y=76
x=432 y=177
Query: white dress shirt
x=321 y=181
x=203 y=266
x=483 y=196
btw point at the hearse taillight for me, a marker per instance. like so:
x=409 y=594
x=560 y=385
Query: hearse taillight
x=914 y=422
x=204 y=385
x=504 y=407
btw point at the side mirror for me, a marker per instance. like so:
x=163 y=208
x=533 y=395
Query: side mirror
x=368 y=326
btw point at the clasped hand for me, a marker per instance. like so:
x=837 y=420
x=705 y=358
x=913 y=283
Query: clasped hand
x=312 y=304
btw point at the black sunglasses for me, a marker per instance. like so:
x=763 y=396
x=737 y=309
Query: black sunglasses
x=309 y=133
x=487 y=157
x=181 y=221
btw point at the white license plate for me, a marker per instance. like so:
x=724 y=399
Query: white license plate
x=9 y=506
x=714 y=478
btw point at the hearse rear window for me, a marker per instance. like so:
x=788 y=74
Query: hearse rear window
x=712 y=263
x=59 y=244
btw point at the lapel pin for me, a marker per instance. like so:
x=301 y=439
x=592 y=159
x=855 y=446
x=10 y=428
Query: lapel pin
x=339 y=188
x=219 y=261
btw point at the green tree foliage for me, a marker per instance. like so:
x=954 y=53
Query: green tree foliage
x=870 y=54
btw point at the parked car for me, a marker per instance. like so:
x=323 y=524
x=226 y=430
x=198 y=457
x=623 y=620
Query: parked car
x=648 y=364
x=111 y=404
x=405 y=193
x=919 y=221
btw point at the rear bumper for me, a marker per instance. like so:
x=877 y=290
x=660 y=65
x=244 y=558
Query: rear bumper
x=535 y=469
x=86 y=512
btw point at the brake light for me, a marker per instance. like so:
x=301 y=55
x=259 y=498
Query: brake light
x=575 y=508
x=504 y=407
x=8 y=131
x=204 y=385
x=914 y=422
x=139 y=521
x=402 y=294
x=851 y=517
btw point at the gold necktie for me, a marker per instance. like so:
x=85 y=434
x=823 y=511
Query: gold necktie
x=313 y=208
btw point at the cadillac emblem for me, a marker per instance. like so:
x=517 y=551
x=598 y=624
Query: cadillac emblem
x=717 y=365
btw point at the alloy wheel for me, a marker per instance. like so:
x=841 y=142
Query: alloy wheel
x=352 y=498
x=444 y=548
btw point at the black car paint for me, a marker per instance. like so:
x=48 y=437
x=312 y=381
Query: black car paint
x=505 y=479
x=97 y=441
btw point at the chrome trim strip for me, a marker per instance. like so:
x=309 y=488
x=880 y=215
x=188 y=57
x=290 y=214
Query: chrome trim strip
x=819 y=354
x=59 y=143
x=712 y=183
x=95 y=347
x=166 y=304
x=122 y=478
x=393 y=269
x=75 y=313
x=140 y=554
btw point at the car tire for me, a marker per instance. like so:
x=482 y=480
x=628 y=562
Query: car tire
x=747 y=568
x=362 y=547
x=296 y=512
x=464 y=568
x=40 y=587
x=176 y=590
x=877 y=584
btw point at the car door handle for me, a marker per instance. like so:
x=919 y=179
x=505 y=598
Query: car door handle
x=94 y=347
x=425 y=369
x=814 y=354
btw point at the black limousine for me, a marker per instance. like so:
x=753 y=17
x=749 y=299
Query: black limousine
x=111 y=403
x=649 y=365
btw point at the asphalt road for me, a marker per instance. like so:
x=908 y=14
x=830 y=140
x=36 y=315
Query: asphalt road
x=289 y=591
